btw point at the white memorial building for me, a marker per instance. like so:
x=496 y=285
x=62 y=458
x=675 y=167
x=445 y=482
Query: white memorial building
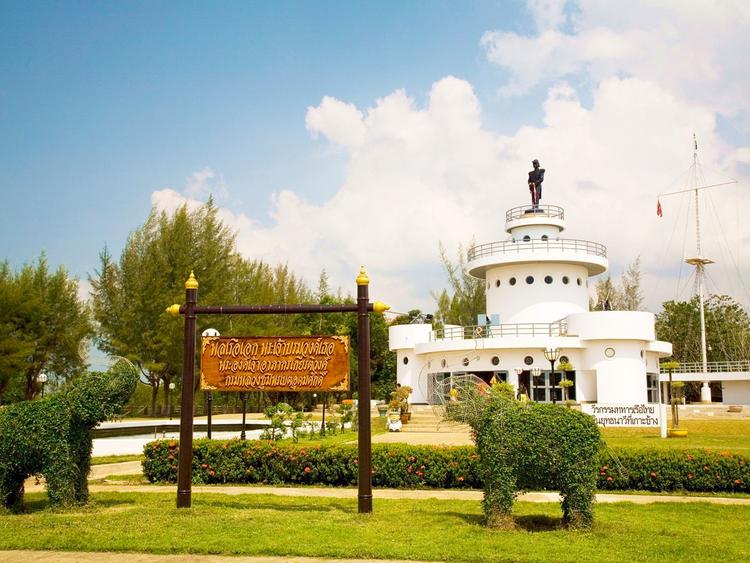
x=537 y=298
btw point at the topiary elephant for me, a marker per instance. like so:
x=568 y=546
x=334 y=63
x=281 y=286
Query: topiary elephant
x=530 y=446
x=51 y=437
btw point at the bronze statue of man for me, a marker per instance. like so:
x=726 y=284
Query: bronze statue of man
x=536 y=177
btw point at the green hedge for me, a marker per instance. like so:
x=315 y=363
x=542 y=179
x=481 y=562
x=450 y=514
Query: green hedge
x=406 y=466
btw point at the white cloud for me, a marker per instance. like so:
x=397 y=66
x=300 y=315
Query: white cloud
x=206 y=182
x=696 y=50
x=419 y=175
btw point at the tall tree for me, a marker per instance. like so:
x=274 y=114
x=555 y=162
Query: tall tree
x=130 y=296
x=623 y=296
x=727 y=329
x=43 y=328
x=467 y=299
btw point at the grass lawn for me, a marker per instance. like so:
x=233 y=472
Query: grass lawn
x=398 y=529
x=731 y=435
x=101 y=460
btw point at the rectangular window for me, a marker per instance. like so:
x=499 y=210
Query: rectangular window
x=652 y=387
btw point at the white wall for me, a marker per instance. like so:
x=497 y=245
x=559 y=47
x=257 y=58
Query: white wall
x=620 y=379
x=538 y=302
x=611 y=325
x=735 y=392
x=406 y=336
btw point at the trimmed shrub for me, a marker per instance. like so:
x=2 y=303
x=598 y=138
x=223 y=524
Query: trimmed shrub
x=406 y=466
x=51 y=437
x=523 y=446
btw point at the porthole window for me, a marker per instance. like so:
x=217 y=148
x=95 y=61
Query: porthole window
x=529 y=279
x=497 y=283
x=466 y=361
x=526 y=238
x=406 y=360
x=548 y=279
x=565 y=280
x=443 y=363
x=545 y=237
x=609 y=352
x=495 y=360
x=578 y=281
x=528 y=360
x=512 y=281
x=564 y=360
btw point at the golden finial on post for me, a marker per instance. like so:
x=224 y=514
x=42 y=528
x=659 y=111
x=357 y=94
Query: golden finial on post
x=362 y=278
x=379 y=307
x=191 y=282
x=174 y=310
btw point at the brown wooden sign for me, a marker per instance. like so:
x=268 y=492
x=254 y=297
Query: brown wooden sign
x=275 y=363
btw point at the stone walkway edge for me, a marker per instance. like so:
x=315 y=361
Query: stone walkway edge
x=415 y=494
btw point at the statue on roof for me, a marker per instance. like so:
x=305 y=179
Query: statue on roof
x=536 y=177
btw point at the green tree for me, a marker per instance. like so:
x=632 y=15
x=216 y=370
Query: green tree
x=623 y=296
x=467 y=299
x=44 y=327
x=727 y=329
x=130 y=295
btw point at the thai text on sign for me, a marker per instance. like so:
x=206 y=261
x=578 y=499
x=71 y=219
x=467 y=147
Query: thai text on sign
x=278 y=363
x=624 y=415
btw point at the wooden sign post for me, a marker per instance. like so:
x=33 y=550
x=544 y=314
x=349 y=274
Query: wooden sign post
x=228 y=367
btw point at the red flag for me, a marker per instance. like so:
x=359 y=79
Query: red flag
x=658 y=208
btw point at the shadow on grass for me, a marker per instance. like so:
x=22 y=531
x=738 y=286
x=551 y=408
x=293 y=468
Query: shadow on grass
x=38 y=502
x=528 y=523
x=273 y=504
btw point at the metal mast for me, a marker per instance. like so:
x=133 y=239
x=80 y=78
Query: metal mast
x=699 y=262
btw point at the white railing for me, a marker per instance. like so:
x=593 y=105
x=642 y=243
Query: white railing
x=523 y=211
x=558 y=328
x=713 y=367
x=537 y=245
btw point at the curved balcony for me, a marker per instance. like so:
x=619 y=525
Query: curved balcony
x=516 y=247
x=558 y=328
x=592 y=255
x=525 y=211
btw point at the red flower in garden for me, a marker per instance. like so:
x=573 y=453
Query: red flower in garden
x=610 y=479
x=307 y=470
x=409 y=469
x=690 y=475
x=602 y=473
x=690 y=458
x=653 y=474
x=705 y=468
x=460 y=478
x=172 y=443
x=204 y=465
x=738 y=481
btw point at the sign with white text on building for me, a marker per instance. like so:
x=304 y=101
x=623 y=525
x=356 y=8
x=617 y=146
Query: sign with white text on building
x=275 y=363
x=633 y=415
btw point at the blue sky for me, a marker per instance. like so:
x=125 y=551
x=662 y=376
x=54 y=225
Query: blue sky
x=104 y=106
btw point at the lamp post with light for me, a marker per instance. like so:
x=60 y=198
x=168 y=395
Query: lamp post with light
x=552 y=354
x=42 y=378
x=209 y=394
x=171 y=388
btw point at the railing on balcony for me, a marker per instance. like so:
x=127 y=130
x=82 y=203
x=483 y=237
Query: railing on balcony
x=713 y=367
x=537 y=245
x=523 y=211
x=558 y=328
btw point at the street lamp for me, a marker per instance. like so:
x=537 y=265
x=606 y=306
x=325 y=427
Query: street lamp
x=209 y=394
x=171 y=388
x=243 y=397
x=42 y=378
x=552 y=354
x=535 y=372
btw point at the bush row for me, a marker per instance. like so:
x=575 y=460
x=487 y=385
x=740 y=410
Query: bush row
x=408 y=466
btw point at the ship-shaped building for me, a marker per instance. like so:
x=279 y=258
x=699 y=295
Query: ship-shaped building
x=537 y=310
